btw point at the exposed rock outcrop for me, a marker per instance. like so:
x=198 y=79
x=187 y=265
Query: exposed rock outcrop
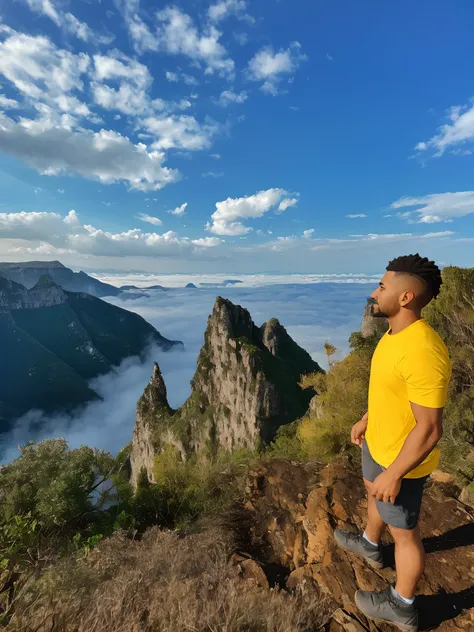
x=245 y=387
x=292 y=517
x=44 y=294
x=372 y=325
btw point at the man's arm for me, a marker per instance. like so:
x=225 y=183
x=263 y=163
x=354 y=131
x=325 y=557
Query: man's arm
x=418 y=444
x=421 y=440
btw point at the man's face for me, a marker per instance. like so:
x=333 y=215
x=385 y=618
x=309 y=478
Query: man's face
x=387 y=296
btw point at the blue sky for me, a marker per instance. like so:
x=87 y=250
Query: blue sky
x=285 y=136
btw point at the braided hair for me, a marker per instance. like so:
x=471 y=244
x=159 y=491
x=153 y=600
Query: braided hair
x=422 y=268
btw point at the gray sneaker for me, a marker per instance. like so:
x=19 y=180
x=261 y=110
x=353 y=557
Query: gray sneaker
x=384 y=606
x=357 y=544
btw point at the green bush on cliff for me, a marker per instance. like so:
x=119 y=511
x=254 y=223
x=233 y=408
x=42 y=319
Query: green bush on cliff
x=341 y=400
x=52 y=498
x=452 y=315
x=197 y=486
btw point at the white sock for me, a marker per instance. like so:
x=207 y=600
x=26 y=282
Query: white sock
x=369 y=541
x=404 y=599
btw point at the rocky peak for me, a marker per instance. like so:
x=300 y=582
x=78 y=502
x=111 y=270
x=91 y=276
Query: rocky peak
x=272 y=332
x=46 y=293
x=372 y=325
x=155 y=392
x=245 y=387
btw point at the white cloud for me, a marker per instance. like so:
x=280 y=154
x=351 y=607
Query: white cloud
x=180 y=132
x=40 y=226
x=178 y=35
x=207 y=242
x=284 y=204
x=227 y=97
x=308 y=233
x=61 y=191
x=212 y=174
x=326 y=244
x=134 y=81
x=80 y=29
x=329 y=58
x=38 y=69
x=105 y=155
x=143 y=39
x=270 y=67
x=66 y=20
x=356 y=216
x=46 y=7
x=216 y=156
x=458 y=131
x=226 y=218
x=70 y=235
x=438 y=207
x=224 y=8
x=116 y=65
x=50 y=80
x=175 y=77
x=179 y=210
x=8 y=104
x=143 y=217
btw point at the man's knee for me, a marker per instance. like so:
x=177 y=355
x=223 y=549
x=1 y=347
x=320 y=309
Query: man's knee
x=405 y=536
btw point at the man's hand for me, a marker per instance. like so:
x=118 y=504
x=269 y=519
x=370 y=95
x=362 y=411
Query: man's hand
x=358 y=430
x=386 y=487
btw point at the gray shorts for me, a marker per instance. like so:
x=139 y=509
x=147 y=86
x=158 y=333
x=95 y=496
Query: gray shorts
x=404 y=512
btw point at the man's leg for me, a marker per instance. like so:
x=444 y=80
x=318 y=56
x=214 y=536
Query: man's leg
x=409 y=560
x=375 y=524
x=369 y=546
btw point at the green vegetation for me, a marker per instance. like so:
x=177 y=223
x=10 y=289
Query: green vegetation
x=452 y=315
x=34 y=377
x=341 y=401
x=57 y=503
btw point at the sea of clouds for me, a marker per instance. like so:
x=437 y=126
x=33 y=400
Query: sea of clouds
x=311 y=312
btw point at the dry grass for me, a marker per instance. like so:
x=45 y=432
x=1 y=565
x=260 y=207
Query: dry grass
x=164 y=583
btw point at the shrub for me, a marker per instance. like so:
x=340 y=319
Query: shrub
x=163 y=583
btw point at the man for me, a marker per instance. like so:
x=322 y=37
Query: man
x=409 y=378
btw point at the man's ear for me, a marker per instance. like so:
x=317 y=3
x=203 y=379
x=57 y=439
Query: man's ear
x=407 y=297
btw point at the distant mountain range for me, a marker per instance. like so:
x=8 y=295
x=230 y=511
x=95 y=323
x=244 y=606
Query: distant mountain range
x=54 y=341
x=28 y=274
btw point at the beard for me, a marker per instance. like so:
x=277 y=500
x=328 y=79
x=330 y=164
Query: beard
x=377 y=312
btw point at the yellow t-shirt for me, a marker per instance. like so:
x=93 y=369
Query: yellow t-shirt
x=410 y=366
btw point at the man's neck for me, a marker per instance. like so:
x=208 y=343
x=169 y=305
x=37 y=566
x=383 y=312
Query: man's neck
x=403 y=320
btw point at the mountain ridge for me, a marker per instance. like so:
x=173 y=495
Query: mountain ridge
x=28 y=274
x=56 y=341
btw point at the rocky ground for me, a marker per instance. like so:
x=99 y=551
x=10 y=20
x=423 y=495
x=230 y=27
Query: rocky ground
x=287 y=523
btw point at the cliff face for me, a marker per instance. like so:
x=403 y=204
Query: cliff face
x=44 y=294
x=244 y=388
x=53 y=342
